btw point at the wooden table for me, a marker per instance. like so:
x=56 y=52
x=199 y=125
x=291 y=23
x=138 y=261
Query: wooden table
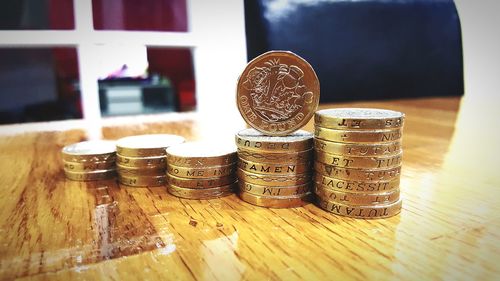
x=55 y=229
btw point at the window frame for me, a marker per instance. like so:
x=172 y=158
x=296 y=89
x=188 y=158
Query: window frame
x=216 y=37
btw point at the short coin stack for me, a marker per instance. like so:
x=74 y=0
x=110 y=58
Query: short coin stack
x=201 y=170
x=275 y=171
x=358 y=161
x=140 y=160
x=89 y=160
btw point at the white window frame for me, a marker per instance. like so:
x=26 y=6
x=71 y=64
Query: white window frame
x=216 y=37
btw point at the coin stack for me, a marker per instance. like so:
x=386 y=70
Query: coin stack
x=275 y=171
x=277 y=94
x=140 y=160
x=89 y=160
x=201 y=170
x=358 y=161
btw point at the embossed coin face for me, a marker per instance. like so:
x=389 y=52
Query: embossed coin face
x=277 y=93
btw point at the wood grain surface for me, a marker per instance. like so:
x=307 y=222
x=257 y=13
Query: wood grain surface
x=55 y=229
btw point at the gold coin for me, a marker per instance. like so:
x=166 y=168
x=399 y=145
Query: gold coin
x=137 y=162
x=356 y=199
x=359 y=162
x=146 y=145
x=148 y=171
x=358 y=118
x=277 y=93
x=274 y=169
x=195 y=173
x=362 y=212
x=201 y=154
x=142 y=181
x=200 y=183
x=253 y=140
x=201 y=193
x=263 y=190
x=378 y=136
x=88 y=166
x=357 y=174
x=281 y=158
x=90 y=151
x=276 y=201
x=356 y=186
x=90 y=176
x=273 y=180
x=354 y=149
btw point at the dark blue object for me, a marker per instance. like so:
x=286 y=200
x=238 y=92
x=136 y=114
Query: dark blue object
x=365 y=50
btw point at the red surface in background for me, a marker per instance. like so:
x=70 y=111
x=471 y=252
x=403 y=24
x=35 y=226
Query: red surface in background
x=152 y=15
x=177 y=65
x=61 y=14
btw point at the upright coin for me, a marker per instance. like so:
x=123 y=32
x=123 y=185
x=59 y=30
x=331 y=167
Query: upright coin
x=146 y=145
x=91 y=151
x=277 y=93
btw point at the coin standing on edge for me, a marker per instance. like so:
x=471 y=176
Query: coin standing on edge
x=277 y=93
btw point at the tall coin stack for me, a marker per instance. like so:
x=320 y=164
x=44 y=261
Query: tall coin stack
x=140 y=160
x=277 y=94
x=274 y=171
x=358 y=161
x=89 y=160
x=201 y=170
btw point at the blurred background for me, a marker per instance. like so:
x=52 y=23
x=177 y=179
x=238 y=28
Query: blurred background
x=87 y=59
